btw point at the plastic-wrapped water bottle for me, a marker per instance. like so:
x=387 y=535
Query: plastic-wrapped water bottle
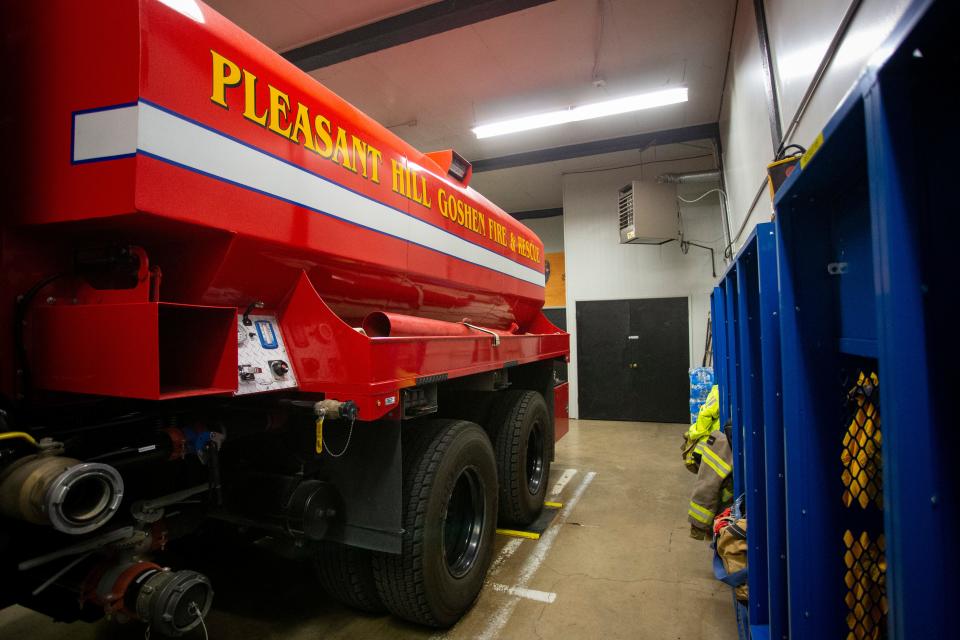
x=701 y=381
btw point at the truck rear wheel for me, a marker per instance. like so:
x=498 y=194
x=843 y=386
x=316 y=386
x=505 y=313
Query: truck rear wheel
x=346 y=574
x=520 y=423
x=449 y=520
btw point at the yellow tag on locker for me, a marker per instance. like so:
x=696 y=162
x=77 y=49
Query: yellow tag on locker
x=811 y=151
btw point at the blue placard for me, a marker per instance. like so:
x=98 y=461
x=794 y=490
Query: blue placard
x=268 y=336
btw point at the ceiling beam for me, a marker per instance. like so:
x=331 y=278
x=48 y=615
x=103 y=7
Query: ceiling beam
x=709 y=131
x=399 y=29
x=537 y=213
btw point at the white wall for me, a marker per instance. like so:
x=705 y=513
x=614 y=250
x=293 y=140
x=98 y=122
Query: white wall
x=600 y=268
x=871 y=25
x=800 y=32
x=550 y=232
x=745 y=123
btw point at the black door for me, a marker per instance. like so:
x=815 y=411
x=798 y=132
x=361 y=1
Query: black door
x=632 y=360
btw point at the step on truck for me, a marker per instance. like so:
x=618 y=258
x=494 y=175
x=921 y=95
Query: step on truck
x=233 y=307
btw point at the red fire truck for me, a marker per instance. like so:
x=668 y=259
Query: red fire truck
x=231 y=301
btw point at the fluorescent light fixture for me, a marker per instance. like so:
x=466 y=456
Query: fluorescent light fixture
x=585 y=112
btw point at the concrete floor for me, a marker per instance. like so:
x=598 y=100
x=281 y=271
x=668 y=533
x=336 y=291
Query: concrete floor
x=617 y=562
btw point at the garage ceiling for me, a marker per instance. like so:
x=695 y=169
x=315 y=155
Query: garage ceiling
x=432 y=91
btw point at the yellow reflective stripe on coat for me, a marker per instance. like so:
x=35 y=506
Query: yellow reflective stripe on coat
x=719 y=464
x=713 y=466
x=700 y=513
x=709 y=452
x=702 y=509
x=697 y=516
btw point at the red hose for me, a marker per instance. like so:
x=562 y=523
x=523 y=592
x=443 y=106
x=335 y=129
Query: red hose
x=380 y=324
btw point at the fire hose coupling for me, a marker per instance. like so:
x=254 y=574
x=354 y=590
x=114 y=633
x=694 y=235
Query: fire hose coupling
x=334 y=409
x=47 y=488
x=172 y=603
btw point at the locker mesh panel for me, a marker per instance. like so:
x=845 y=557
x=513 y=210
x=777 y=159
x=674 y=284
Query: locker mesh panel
x=860 y=456
x=864 y=554
x=865 y=579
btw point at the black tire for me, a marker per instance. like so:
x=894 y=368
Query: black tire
x=449 y=520
x=520 y=424
x=346 y=574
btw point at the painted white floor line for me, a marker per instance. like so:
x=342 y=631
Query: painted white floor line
x=529 y=594
x=562 y=481
x=508 y=550
x=534 y=560
x=495 y=567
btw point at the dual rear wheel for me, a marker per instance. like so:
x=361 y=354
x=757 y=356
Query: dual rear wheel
x=457 y=481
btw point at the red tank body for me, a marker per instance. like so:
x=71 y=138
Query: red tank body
x=173 y=122
x=161 y=124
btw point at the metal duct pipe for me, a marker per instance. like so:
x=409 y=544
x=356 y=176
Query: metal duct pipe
x=74 y=497
x=710 y=175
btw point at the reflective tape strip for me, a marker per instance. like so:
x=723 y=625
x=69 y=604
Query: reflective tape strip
x=104 y=134
x=710 y=463
x=701 y=509
x=710 y=452
x=720 y=462
x=696 y=516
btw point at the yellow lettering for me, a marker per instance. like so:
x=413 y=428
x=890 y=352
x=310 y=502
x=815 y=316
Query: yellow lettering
x=292 y=120
x=399 y=179
x=250 y=100
x=459 y=217
x=442 y=203
x=302 y=126
x=279 y=109
x=375 y=157
x=360 y=154
x=323 y=143
x=225 y=74
x=424 y=196
x=498 y=233
x=341 y=154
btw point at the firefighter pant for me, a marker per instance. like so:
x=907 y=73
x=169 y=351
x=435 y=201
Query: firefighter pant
x=712 y=488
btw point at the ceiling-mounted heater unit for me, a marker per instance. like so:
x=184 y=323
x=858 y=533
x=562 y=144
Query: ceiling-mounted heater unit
x=647 y=213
